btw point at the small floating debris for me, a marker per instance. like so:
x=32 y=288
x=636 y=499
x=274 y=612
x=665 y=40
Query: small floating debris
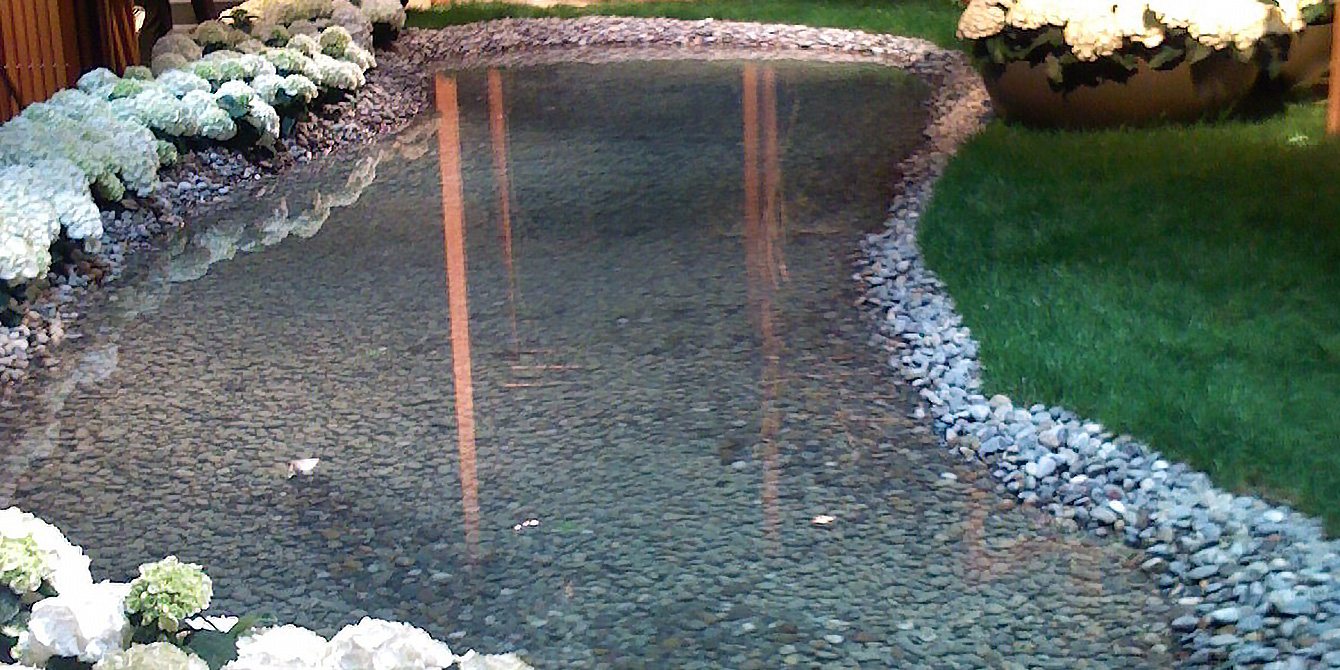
x=823 y=520
x=528 y=523
x=301 y=467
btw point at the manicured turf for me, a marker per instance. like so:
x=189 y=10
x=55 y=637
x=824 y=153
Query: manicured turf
x=1181 y=285
x=934 y=20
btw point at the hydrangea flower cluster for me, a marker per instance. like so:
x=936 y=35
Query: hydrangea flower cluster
x=389 y=12
x=111 y=134
x=168 y=591
x=319 y=14
x=1097 y=28
x=155 y=656
x=66 y=566
x=23 y=565
x=1089 y=30
x=1064 y=33
x=85 y=623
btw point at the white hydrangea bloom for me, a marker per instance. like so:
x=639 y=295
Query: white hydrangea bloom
x=308 y=28
x=179 y=43
x=334 y=40
x=300 y=88
x=283 y=91
x=282 y=648
x=85 y=130
x=389 y=12
x=217 y=33
x=273 y=34
x=475 y=661
x=360 y=57
x=304 y=44
x=40 y=199
x=250 y=45
x=95 y=82
x=1030 y=14
x=268 y=87
x=234 y=97
x=138 y=72
x=982 y=18
x=375 y=644
x=156 y=656
x=87 y=623
x=69 y=564
x=167 y=62
x=286 y=11
x=181 y=82
x=161 y=110
x=215 y=123
x=337 y=73
x=1098 y=28
x=264 y=118
x=28 y=225
x=1292 y=12
x=345 y=15
x=291 y=61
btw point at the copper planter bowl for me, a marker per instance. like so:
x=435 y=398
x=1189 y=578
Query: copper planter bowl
x=1309 y=56
x=1022 y=93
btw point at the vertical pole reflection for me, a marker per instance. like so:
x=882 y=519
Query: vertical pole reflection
x=502 y=181
x=762 y=212
x=453 y=228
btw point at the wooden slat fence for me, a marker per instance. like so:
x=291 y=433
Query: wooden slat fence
x=46 y=44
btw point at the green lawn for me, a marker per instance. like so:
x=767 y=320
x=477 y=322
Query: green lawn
x=934 y=20
x=1181 y=285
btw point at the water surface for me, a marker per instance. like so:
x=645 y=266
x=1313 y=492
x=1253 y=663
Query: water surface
x=581 y=360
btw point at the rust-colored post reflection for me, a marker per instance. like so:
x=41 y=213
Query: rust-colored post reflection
x=762 y=224
x=453 y=228
x=502 y=182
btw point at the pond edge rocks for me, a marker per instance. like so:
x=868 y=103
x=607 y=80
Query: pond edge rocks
x=1258 y=582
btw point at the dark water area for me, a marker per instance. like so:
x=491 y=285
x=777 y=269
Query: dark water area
x=580 y=359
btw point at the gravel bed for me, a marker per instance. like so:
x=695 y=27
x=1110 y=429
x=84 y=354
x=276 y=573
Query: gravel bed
x=1256 y=582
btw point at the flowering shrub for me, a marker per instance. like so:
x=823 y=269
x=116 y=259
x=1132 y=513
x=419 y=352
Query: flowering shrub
x=84 y=623
x=22 y=564
x=155 y=656
x=373 y=644
x=111 y=134
x=67 y=565
x=281 y=648
x=388 y=12
x=167 y=592
x=1084 y=41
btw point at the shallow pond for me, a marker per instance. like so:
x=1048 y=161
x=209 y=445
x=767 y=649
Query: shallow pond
x=580 y=358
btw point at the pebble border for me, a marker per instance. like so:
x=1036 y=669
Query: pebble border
x=1257 y=582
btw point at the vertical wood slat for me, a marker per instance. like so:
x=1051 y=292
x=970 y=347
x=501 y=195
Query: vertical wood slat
x=46 y=44
x=10 y=96
x=39 y=51
x=24 y=68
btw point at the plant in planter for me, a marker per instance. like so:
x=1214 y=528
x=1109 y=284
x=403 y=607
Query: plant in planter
x=1309 y=45
x=1092 y=63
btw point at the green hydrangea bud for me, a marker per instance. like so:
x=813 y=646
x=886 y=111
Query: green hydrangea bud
x=23 y=565
x=168 y=591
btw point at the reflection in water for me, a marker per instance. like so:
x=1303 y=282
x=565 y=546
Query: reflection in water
x=453 y=228
x=498 y=132
x=764 y=231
